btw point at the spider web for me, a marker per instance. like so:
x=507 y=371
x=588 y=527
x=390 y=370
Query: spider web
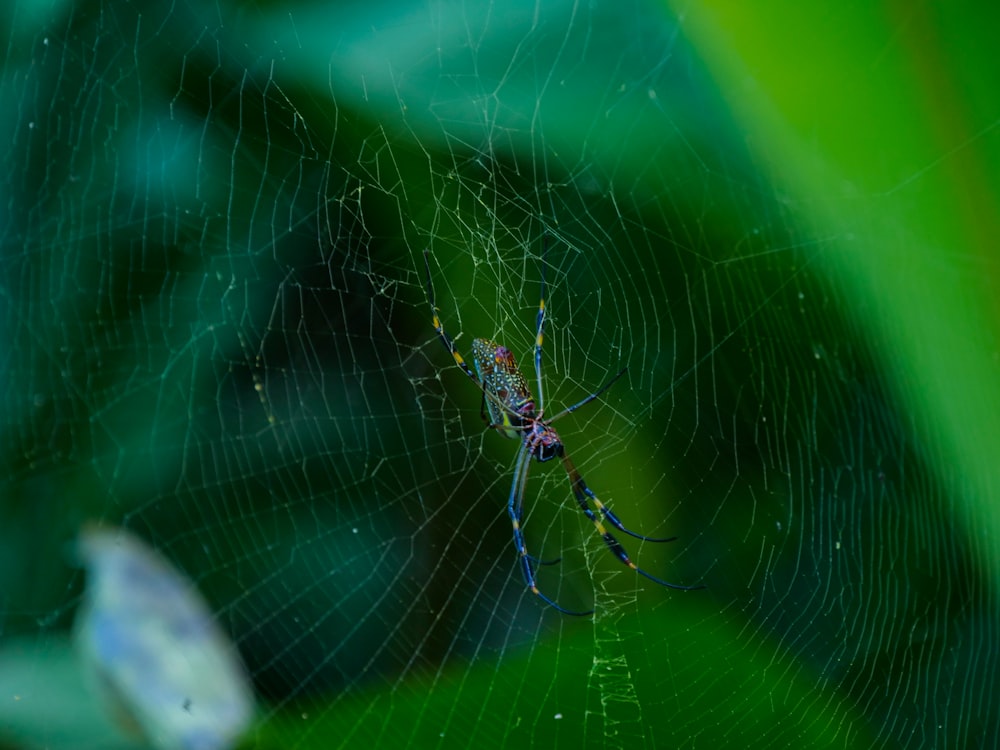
x=216 y=335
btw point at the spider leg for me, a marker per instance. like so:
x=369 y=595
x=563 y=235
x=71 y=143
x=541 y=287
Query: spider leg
x=539 y=332
x=439 y=327
x=582 y=492
x=588 y=399
x=519 y=511
x=482 y=411
x=514 y=509
x=539 y=561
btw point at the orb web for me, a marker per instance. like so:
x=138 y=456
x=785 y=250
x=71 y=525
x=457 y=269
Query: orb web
x=217 y=336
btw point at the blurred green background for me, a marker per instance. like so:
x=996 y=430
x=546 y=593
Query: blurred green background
x=782 y=219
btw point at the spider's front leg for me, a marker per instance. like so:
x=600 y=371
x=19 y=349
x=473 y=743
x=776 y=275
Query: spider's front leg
x=446 y=340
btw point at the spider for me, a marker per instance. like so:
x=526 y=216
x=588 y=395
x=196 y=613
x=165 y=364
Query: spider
x=509 y=408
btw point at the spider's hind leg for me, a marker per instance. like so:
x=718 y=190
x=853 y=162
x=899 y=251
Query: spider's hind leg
x=515 y=505
x=582 y=493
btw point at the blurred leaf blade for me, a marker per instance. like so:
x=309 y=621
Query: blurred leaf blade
x=868 y=116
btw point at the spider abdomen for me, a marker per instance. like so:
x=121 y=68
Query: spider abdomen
x=508 y=401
